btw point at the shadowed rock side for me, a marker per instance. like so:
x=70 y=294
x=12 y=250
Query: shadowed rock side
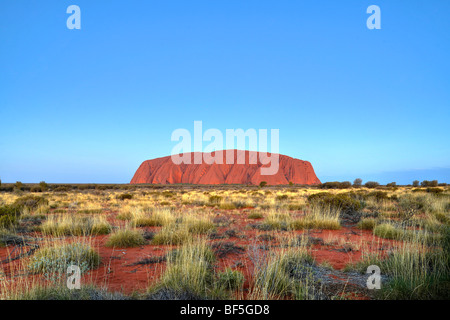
x=164 y=171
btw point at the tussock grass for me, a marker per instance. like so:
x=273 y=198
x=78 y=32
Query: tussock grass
x=126 y=238
x=367 y=224
x=172 y=234
x=282 y=274
x=189 y=270
x=319 y=217
x=184 y=230
x=389 y=231
x=231 y=279
x=61 y=225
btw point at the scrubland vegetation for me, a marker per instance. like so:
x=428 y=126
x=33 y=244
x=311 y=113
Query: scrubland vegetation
x=225 y=242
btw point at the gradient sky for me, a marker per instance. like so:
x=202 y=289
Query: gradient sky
x=89 y=105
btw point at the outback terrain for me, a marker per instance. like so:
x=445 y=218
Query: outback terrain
x=224 y=241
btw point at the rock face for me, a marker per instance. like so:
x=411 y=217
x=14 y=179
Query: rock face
x=165 y=171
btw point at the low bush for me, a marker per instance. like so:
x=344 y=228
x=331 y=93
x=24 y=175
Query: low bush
x=341 y=201
x=57 y=258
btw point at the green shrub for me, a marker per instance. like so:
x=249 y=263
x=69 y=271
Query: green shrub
x=342 y=201
x=58 y=258
x=8 y=216
x=125 y=196
x=371 y=184
x=30 y=202
x=426 y=183
x=378 y=195
x=335 y=185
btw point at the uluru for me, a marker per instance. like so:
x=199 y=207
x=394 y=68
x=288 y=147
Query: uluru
x=165 y=171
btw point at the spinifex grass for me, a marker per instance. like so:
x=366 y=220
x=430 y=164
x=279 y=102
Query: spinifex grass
x=318 y=217
x=125 y=238
x=75 y=225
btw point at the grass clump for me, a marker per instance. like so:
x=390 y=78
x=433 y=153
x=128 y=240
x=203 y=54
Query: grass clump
x=75 y=226
x=255 y=215
x=58 y=257
x=415 y=270
x=283 y=274
x=367 y=224
x=62 y=293
x=231 y=279
x=319 y=217
x=126 y=238
x=189 y=271
x=172 y=234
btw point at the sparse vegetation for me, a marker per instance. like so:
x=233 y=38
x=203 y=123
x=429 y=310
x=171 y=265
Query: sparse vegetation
x=225 y=242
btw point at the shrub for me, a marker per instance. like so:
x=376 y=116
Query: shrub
x=8 y=216
x=262 y=184
x=357 y=182
x=31 y=202
x=282 y=197
x=434 y=190
x=125 y=196
x=415 y=183
x=426 y=183
x=18 y=185
x=392 y=184
x=371 y=184
x=335 y=185
x=378 y=195
x=126 y=238
x=43 y=185
x=342 y=201
x=57 y=258
x=215 y=200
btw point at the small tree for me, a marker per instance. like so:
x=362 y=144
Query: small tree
x=392 y=184
x=357 y=182
x=426 y=183
x=43 y=185
x=416 y=183
x=19 y=185
x=262 y=184
x=371 y=184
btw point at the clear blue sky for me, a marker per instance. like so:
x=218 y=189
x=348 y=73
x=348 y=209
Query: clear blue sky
x=90 y=105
